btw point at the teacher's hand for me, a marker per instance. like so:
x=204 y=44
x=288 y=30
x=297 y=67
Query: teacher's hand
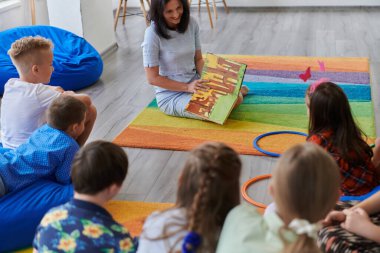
x=197 y=85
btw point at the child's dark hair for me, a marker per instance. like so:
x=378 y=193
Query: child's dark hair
x=208 y=189
x=97 y=166
x=65 y=111
x=330 y=110
x=156 y=14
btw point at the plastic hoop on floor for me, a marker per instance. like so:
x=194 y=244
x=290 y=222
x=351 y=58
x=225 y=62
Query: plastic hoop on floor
x=256 y=140
x=249 y=183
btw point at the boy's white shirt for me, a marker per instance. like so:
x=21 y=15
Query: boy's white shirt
x=23 y=110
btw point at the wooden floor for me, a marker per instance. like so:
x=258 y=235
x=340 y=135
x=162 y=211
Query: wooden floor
x=122 y=93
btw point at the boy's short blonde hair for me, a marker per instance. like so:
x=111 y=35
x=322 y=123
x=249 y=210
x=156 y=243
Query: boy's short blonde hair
x=24 y=52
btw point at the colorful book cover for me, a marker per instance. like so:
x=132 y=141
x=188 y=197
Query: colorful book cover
x=225 y=78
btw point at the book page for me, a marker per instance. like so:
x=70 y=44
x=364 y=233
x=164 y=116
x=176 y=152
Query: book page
x=225 y=78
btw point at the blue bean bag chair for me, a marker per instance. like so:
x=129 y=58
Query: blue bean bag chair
x=76 y=63
x=362 y=197
x=22 y=211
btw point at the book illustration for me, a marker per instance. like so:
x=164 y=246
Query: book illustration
x=225 y=78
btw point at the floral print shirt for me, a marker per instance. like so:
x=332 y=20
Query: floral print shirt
x=81 y=226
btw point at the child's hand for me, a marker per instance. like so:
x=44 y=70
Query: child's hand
x=334 y=216
x=197 y=85
x=357 y=221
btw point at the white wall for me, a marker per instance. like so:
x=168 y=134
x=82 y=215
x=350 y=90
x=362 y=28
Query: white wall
x=66 y=15
x=90 y=19
x=94 y=19
x=19 y=14
x=97 y=19
x=275 y=3
x=115 y=3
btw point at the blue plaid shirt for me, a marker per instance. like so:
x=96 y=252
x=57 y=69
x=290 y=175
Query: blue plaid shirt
x=47 y=154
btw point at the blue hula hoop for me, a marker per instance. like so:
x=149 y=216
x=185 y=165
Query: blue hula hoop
x=256 y=140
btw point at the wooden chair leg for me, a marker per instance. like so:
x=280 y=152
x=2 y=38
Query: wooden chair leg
x=199 y=5
x=214 y=7
x=226 y=7
x=148 y=1
x=117 y=14
x=142 y=5
x=124 y=11
x=33 y=11
x=209 y=14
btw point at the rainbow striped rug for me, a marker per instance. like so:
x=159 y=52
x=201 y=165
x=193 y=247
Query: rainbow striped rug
x=275 y=103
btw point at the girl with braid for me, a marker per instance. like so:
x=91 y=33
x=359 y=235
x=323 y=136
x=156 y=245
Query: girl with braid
x=208 y=189
x=305 y=187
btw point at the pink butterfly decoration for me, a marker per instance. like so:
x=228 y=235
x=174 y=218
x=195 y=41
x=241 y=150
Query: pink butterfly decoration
x=306 y=76
x=322 y=66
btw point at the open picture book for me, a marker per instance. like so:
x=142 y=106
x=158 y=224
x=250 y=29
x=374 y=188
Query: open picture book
x=225 y=79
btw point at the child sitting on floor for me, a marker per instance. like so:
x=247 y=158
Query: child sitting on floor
x=351 y=229
x=49 y=151
x=82 y=224
x=305 y=187
x=208 y=189
x=332 y=126
x=26 y=98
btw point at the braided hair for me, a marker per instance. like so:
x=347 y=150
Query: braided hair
x=208 y=190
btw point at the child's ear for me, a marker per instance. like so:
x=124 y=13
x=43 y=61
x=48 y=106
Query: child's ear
x=35 y=69
x=113 y=190
x=72 y=130
x=75 y=127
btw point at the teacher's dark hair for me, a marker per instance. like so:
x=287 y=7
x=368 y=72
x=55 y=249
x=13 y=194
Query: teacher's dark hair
x=156 y=14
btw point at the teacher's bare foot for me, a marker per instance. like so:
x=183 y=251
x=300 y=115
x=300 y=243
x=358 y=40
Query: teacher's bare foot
x=244 y=90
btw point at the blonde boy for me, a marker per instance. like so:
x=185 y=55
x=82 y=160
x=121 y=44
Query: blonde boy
x=26 y=98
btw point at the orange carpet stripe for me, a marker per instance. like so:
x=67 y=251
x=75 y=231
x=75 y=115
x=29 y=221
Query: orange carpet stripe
x=240 y=141
x=298 y=63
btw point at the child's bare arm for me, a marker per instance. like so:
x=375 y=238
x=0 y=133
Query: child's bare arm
x=370 y=205
x=358 y=222
x=56 y=88
x=82 y=97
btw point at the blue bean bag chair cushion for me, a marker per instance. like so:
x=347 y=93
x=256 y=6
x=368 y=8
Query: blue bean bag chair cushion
x=76 y=63
x=22 y=211
x=362 y=197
